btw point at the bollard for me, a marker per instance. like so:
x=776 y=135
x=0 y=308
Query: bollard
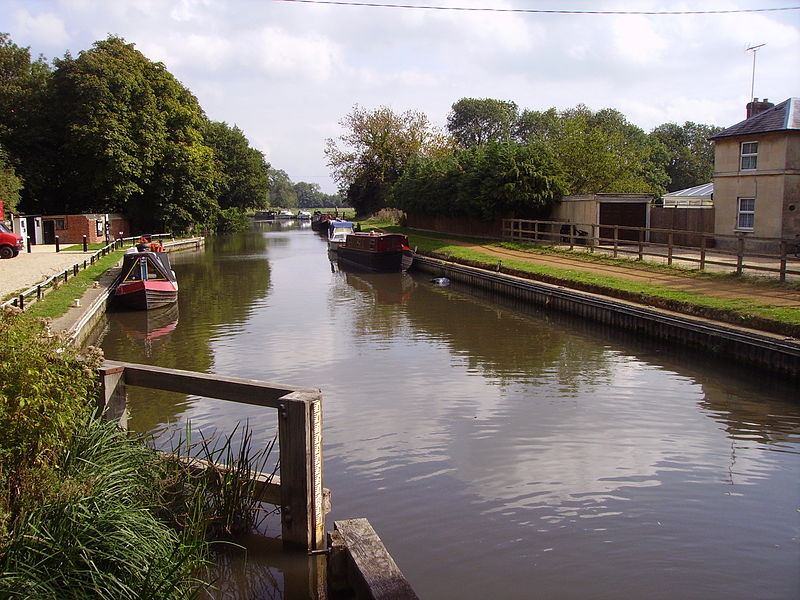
x=85 y=245
x=29 y=244
x=58 y=248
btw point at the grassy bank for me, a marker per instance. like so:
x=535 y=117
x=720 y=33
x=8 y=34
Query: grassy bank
x=88 y=510
x=741 y=311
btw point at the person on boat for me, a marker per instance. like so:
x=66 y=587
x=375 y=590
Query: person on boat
x=155 y=246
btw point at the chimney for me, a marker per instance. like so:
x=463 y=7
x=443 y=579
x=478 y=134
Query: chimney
x=755 y=107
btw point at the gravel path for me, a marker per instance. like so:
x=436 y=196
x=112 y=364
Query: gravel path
x=26 y=270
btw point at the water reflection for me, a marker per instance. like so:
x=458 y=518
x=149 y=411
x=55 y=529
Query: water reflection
x=520 y=453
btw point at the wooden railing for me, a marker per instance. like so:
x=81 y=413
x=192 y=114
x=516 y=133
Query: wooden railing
x=731 y=252
x=36 y=292
x=298 y=491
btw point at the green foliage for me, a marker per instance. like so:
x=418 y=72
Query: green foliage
x=690 y=153
x=474 y=122
x=113 y=521
x=45 y=387
x=232 y=219
x=372 y=153
x=24 y=129
x=598 y=151
x=244 y=181
x=309 y=195
x=10 y=183
x=482 y=182
x=281 y=190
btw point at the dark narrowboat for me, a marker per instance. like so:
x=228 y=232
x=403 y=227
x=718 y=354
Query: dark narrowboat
x=377 y=252
x=147 y=281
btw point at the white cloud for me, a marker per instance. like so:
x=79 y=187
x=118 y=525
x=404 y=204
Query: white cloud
x=44 y=28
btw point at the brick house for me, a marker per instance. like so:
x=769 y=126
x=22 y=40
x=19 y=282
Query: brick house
x=70 y=229
x=757 y=173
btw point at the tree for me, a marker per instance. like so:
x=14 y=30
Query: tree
x=244 y=173
x=24 y=120
x=281 y=190
x=10 y=184
x=598 y=151
x=370 y=156
x=474 y=122
x=690 y=153
x=483 y=182
x=130 y=140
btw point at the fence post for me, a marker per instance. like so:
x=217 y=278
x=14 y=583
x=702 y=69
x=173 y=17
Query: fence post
x=21 y=302
x=669 y=247
x=703 y=252
x=300 y=441
x=85 y=244
x=113 y=401
x=641 y=244
x=740 y=254
x=58 y=246
x=783 y=261
x=592 y=238
x=616 y=239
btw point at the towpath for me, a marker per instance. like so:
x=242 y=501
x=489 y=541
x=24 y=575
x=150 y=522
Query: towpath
x=786 y=295
x=28 y=269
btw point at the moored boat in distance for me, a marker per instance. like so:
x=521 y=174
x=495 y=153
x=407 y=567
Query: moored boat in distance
x=304 y=215
x=320 y=220
x=285 y=214
x=147 y=281
x=265 y=215
x=377 y=252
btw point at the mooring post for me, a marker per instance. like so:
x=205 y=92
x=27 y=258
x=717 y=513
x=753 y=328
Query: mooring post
x=113 y=400
x=300 y=441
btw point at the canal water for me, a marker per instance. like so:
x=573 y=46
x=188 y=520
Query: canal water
x=498 y=450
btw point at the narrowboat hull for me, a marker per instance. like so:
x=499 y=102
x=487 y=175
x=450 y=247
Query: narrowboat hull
x=146 y=295
x=392 y=261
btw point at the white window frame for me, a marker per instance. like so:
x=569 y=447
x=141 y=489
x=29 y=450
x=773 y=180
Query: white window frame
x=748 y=155
x=748 y=212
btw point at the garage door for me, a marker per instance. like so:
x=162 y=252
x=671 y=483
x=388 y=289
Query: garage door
x=624 y=214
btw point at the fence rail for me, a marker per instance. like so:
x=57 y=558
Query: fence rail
x=730 y=252
x=37 y=291
x=298 y=491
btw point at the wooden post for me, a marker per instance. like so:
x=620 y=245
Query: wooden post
x=669 y=247
x=703 y=252
x=783 y=261
x=113 y=403
x=641 y=244
x=740 y=254
x=300 y=441
x=371 y=571
x=616 y=239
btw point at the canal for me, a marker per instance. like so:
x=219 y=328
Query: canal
x=499 y=451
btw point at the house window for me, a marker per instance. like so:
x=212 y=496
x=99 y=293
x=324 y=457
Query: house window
x=749 y=156
x=746 y=214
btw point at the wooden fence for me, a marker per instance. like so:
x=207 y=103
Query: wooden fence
x=738 y=253
x=298 y=491
x=36 y=292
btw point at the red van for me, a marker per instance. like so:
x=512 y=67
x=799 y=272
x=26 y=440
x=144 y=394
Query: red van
x=11 y=243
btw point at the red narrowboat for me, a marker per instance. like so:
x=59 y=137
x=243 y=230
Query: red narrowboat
x=376 y=252
x=147 y=281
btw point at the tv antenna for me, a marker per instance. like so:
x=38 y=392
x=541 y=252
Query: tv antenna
x=754 y=50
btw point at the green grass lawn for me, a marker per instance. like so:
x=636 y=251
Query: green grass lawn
x=440 y=245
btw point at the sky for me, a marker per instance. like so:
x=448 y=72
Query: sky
x=288 y=72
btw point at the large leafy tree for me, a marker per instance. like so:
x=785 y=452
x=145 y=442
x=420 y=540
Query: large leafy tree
x=281 y=189
x=486 y=182
x=244 y=181
x=690 y=153
x=130 y=138
x=25 y=134
x=598 y=151
x=10 y=184
x=474 y=121
x=375 y=148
